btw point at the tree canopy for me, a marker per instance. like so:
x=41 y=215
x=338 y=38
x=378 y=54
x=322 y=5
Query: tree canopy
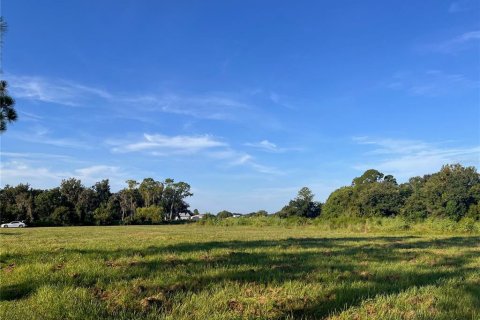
x=453 y=193
x=7 y=107
x=72 y=203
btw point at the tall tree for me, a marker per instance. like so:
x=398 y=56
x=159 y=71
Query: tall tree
x=71 y=189
x=7 y=103
x=7 y=110
x=85 y=206
x=46 y=202
x=24 y=202
x=102 y=191
x=369 y=176
x=173 y=197
x=303 y=205
x=151 y=191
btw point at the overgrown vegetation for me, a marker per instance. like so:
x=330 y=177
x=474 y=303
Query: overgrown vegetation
x=452 y=193
x=210 y=272
x=73 y=204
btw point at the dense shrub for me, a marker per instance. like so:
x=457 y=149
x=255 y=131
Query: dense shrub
x=224 y=214
x=149 y=215
x=61 y=215
x=452 y=193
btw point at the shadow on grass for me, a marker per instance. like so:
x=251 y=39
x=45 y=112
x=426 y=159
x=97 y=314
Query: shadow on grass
x=16 y=291
x=339 y=261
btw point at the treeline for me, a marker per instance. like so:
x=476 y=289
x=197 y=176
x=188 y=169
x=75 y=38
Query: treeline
x=72 y=203
x=453 y=192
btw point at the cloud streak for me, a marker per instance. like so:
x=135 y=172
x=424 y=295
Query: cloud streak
x=407 y=158
x=60 y=92
x=42 y=135
x=209 y=106
x=464 y=41
x=268 y=146
x=159 y=144
x=458 y=6
x=214 y=106
x=24 y=171
x=431 y=83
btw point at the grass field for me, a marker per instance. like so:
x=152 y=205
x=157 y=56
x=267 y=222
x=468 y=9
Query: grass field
x=236 y=272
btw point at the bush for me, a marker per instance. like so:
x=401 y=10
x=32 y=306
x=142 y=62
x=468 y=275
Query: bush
x=152 y=214
x=474 y=211
x=224 y=214
x=102 y=215
x=468 y=225
x=354 y=224
x=61 y=215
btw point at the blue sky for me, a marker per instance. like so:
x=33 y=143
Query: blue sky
x=248 y=101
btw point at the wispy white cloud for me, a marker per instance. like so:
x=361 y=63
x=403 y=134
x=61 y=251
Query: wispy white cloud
x=29 y=116
x=160 y=144
x=407 y=158
x=44 y=176
x=280 y=100
x=245 y=159
x=214 y=106
x=91 y=174
x=35 y=156
x=431 y=83
x=54 y=91
x=268 y=146
x=264 y=145
x=15 y=172
x=43 y=135
x=464 y=41
x=458 y=6
x=209 y=146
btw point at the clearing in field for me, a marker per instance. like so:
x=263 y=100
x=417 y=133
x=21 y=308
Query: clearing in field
x=211 y=272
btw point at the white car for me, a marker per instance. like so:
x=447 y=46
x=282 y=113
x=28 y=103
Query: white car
x=14 y=224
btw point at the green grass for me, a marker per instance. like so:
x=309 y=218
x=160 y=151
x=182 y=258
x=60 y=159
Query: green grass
x=237 y=272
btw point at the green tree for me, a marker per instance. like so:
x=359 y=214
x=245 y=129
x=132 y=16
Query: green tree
x=86 y=204
x=71 y=190
x=151 y=191
x=369 y=176
x=173 y=200
x=379 y=199
x=62 y=216
x=371 y=194
x=339 y=203
x=7 y=103
x=16 y=203
x=7 y=107
x=303 y=205
x=259 y=213
x=102 y=215
x=46 y=202
x=151 y=214
x=224 y=214
x=451 y=191
x=25 y=206
x=102 y=191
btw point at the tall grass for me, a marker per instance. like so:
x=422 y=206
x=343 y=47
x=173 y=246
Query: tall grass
x=196 y=271
x=354 y=224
